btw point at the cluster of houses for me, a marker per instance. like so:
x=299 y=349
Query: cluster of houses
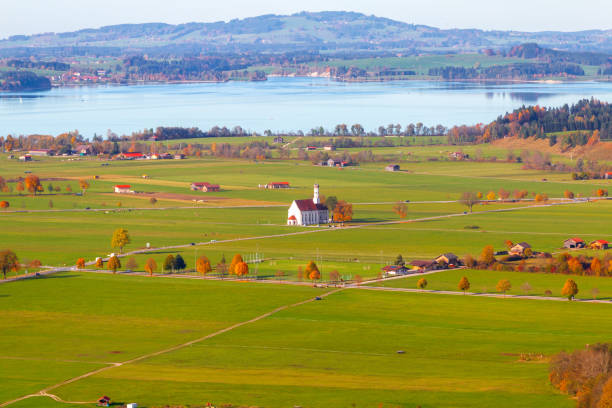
x=153 y=156
x=578 y=243
x=392 y=167
x=444 y=261
x=334 y=163
x=205 y=187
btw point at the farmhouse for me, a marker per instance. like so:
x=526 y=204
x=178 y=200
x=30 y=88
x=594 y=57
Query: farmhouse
x=131 y=156
x=309 y=211
x=599 y=244
x=277 y=184
x=394 y=270
x=83 y=150
x=574 y=243
x=123 y=188
x=336 y=163
x=519 y=249
x=448 y=259
x=423 y=265
x=206 y=187
x=25 y=158
x=392 y=167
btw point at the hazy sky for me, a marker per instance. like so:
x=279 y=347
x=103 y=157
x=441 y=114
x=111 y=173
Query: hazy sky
x=35 y=16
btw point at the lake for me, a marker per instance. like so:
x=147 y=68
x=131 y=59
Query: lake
x=279 y=104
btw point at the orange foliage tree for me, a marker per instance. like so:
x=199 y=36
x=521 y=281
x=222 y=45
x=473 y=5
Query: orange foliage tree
x=242 y=269
x=32 y=183
x=235 y=261
x=80 y=263
x=343 y=211
x=4 y=204
x=400 y=209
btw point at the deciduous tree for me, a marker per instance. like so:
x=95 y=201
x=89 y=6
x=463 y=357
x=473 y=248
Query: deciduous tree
x=469 y=199
x=179 y=263
x=464 y=284
x=131 y=264
x=312 y=271
x=401 y=209
x=242 y=269
x=487 y=257
x=169 y=263
x=343 y=211
x=491 y=196
x=32 y=183
x=84 y=185
x=8 y=262
x=113 y=264
x=150 y=266
x=203 y=265
x=235 y=261
x=4 y=204
x=422 y=283
x=99 y=262
x=503 y=286
x=80 y=263
x=570 y=289
x=120 y=239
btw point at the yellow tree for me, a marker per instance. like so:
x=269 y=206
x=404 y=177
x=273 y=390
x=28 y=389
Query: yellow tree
x=503 y=286
x=343 y=211
x=596 y=266
x=422 y=283
x=312 y=271
x=464 y=284
x=242 y=269
x=99 y=262
x=120 y=239
x=32 y=183
x=20 y=187
x=605 y=401
x=80 y=263
x=113 y=264
x=150 y=266
x=568 y=194
x=491 y=196
x=487 y=256
x=84 y=184
x=235 y=261
x=570 y=289
x=203 y=265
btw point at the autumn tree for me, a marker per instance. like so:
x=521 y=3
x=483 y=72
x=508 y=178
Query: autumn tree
x=235 y=261
x=4 y=204
x=491 y=196
x=8 y=262
x=312 y=271
x=464 y=284
x=568 y=194
x=84 y=185
x=401 y=209
x=343 y=211
x=358 y=279
x=99 y=262
x=596 y=267
x=334 y=276
x=487 y=257
x=120 y=239
x=503 y=194
x=422 y=283
x=113 y=264
x=469 y=199
x=150 y=266
x=169 y=263
x=605 y=401
x=203 y=265
x=241 y=269
x=32 y=183
x=570 y=289
x=509 y=244
x=153 y=200
x=131 y=264
x=34 y=264
x=80 y=263
x=503 y=286
x=20 y=187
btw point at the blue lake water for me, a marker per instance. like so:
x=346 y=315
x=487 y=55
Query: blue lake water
x=279 y=104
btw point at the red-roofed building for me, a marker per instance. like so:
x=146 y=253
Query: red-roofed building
x=599 y=244
x=308 y=211
x=206 y=187
x=123 y=188
x=132 y=156
x=574 y=243
x=608 y=175
x=278 y=184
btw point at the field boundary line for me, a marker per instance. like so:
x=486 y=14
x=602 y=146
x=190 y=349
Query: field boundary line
x=45 y=391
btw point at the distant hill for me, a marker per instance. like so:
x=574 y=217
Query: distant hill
x=326 y=32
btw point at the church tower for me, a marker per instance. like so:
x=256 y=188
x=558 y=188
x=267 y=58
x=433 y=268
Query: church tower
x=316 y=199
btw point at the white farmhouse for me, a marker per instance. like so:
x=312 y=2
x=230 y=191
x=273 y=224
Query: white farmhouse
x=309 y=211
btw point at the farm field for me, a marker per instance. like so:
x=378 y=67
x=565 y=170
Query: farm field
x=341 y=351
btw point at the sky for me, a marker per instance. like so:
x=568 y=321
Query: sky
x=36 y=16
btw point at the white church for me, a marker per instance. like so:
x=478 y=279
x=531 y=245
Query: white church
x=309 y=211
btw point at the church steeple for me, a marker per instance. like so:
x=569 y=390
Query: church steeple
x=315 y=198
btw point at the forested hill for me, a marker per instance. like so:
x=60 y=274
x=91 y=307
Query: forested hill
x=23 y=81
x=322 y=31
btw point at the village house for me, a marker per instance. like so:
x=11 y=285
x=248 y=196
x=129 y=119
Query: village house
x=424 y=265
x=123 y=188
x=309 y=211
x=132 y=156
x=329 y=148
x=205 y=187
x=519 y=249
x=458 y=156
x=83 y=150
x=448 y=259
x=277 y=184
x=608 y=175
x=599 y=244
x=336 y=163
x=574 y=243
x=41 y=152
x=395 y=270
x=311 y=148
x=25 y=158
x=179 y=156
x=392 y=167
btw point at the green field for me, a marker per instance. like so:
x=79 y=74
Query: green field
x=340 y=351
x=459 y=351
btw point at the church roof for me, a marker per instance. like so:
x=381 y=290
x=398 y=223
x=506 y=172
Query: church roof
x=309 y=205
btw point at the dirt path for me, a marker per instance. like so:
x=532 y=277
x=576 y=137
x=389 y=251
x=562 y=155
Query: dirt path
x=45 y=391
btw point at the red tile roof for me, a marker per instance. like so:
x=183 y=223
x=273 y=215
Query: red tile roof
x=281 y=183
x=309 y=205
x=123 y=186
